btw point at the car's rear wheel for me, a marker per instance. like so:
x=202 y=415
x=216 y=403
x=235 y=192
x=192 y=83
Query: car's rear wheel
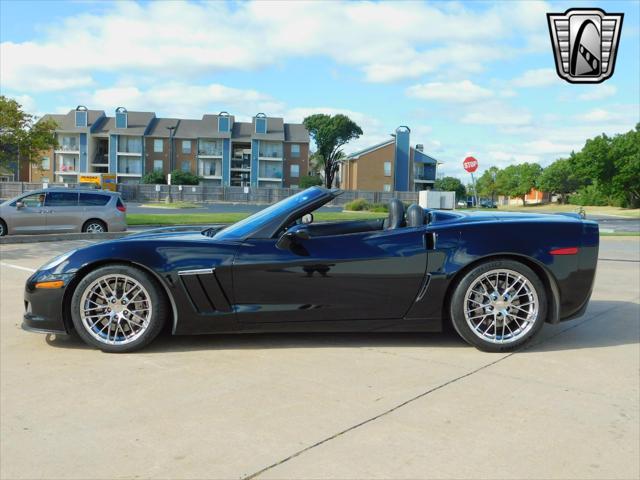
x=94 y=226
x=499 y=305
x=3 y=228
x=118 y=308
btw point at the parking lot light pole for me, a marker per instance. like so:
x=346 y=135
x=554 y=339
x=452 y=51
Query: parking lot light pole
x=171 y=132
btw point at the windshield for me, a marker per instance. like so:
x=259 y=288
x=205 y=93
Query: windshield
x=250 y=224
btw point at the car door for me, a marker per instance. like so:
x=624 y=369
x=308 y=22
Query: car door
x=358 y=276
x=62 y=212
x=29 y=218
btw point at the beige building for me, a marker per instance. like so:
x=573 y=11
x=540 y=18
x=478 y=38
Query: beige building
x=392 y=165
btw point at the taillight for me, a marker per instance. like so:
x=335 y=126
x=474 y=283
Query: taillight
x=564 y=251
x=120 y=206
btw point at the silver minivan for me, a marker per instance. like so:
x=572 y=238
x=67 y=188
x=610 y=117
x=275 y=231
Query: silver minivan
x=58 y=210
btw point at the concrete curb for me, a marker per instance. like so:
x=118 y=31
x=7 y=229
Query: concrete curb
x=57 y=237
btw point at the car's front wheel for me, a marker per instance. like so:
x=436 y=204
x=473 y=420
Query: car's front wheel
x=118 y=308
x=499 y=305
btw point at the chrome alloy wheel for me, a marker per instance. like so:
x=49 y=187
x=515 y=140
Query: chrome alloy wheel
x=115 y=309
x=95 y=227
x=501 y=306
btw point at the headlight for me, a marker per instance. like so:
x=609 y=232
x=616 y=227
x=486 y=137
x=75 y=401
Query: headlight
x=54 y=262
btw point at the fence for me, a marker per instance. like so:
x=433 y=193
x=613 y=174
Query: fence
x=209 y=194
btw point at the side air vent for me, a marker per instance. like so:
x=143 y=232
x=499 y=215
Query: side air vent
x=204 y=290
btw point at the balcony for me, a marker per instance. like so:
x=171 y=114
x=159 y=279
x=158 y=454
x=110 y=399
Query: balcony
x=209 y=148
x=422 y=178
x=237 y=164
x=68 y=148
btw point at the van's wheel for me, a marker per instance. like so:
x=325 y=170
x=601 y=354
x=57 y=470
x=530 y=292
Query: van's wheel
x=118 y=308
x=94 y=226
x=3 y=228
x=499 y=306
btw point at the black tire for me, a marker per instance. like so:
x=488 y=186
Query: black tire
x=457 y=307
x=3 y=228
x=92 y=224
x=160 y=309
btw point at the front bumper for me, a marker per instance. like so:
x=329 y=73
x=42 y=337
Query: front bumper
x=43 y=308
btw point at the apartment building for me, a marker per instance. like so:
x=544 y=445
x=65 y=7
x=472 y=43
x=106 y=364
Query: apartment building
x=392 y=165
x=265 y=152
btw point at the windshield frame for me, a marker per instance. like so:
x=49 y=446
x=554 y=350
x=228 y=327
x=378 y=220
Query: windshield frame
x=269 y=221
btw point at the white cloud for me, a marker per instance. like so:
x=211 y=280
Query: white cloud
x=497 y=114
x=598 y=92
x=177 y=40
x=540 y=77
x=597 y=115
x=185 y=100
x=459 y=92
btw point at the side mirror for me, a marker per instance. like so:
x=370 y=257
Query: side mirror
x=19 y=204
x=290 y=238
x=307 y=219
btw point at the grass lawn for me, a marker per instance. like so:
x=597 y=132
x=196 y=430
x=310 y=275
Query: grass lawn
x=551 y=208
x=209 y=218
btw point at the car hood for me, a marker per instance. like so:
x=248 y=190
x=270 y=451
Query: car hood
x=191 y=232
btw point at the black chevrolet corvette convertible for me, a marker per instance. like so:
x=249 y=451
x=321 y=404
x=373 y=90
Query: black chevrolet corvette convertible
x=496 y=277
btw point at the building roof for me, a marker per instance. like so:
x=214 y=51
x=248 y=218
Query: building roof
x=296 y=132
x=137 y=124
x=359 y=153
x=160 y=127
x=422 y=157
x=275 y=129
x=67 y=121
x=207 y=127
x=242 y=131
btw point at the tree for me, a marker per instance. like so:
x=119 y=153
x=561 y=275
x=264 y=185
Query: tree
x=625 y=150
x=451 y=184
x=559 y=178
x=330 y=134
x=486 y=184
x=518 y=180
x=22 y=138
x=307 y=181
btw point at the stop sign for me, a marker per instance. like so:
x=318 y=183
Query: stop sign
x=470 y=164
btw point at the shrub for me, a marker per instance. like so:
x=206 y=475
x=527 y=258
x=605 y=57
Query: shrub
x=358 y=205
x=589 y=195
x=154 y=177
x=178 y=177
x=307 y=181
x=379 y=207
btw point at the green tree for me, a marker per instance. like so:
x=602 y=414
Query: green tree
x=451 y=184
x=307 y=181
x=178 y=177
x=625 y=150
x=330 y=133
x=486 y=184
x=559 y=178
x=518 y=180
x=154 y=177
x=22 y=138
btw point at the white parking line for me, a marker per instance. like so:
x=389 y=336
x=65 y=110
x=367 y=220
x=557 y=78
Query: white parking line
x=18 y=267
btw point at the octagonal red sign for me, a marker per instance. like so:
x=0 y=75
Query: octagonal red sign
x=470 y=164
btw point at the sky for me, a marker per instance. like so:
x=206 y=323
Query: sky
x=468 y=78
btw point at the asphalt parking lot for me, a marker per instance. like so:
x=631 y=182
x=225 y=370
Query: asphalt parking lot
x=326 y=406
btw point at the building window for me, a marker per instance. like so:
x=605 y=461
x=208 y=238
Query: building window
x=210 y=168
x=295 y=150
x=127 y=144
x=68 y=163
x=295 y=170
x=223 y=124
x=386 y=187
x=121 y=120
x=261 y=125
x=270 y=170
x=158 y=145
x=81 y=118
x=270 y=149
x=210 y=147
x=158 y=166
x=131 y=165
x=387 y=170
x=68 y=143
x=46 y=163
x=186 y=146
x=186 y=164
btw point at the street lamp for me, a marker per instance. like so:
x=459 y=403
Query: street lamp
x=171 y=132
